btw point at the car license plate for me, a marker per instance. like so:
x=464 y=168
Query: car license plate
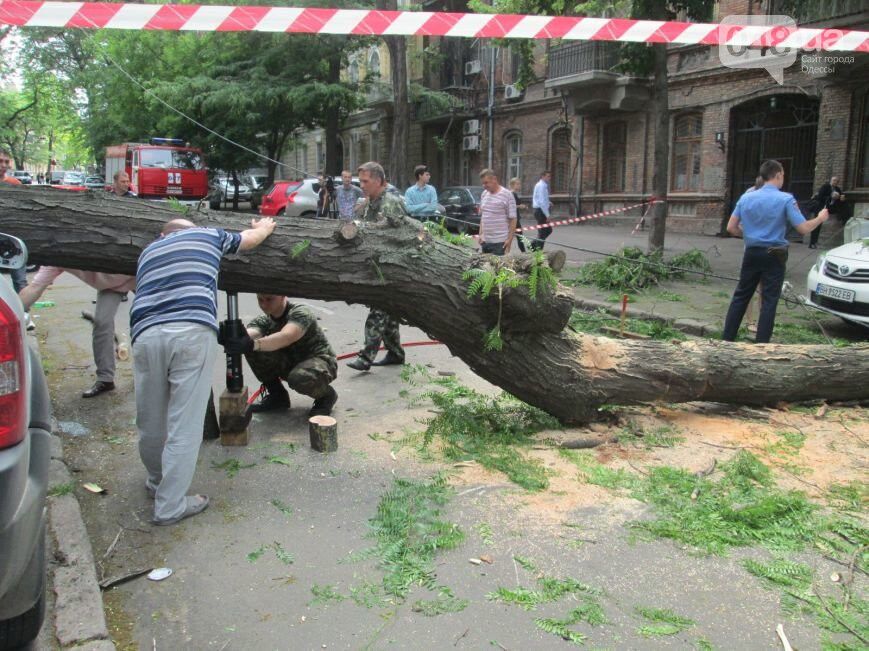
x=174 y=189
x=846 y=295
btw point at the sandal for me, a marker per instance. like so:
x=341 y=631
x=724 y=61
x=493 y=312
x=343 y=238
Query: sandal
x=196 y=504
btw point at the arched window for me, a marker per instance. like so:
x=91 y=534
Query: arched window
x=374 y=63
x=614 y=154
x=353 y=72
x=560 y=160
x=513 y=156
x=687 y=132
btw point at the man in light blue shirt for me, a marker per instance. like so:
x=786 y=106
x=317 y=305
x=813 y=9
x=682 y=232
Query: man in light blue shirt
x=421 y=198
x=542 y=205
x=761 y=218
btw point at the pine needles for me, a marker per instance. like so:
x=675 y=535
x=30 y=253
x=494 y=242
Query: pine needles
x=472 y=426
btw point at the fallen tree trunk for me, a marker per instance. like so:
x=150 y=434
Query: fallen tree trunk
x=403 y=270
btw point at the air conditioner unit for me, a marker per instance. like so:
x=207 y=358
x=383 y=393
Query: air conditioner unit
x=470 y=127
x=473 y=67
x=512 y=92
x=471 y=143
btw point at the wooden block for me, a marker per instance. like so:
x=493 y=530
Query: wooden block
x=324 y=433
x=233 y=424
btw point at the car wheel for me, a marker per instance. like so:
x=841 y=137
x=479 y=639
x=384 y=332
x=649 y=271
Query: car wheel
x=20 y=630
x=308 y=215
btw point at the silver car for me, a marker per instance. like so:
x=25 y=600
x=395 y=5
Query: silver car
x=302 y=201
x=24 y=458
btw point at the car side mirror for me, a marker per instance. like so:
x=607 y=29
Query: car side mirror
x=13 y=252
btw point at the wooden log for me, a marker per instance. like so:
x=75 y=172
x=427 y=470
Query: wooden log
x=324 y=433
x=234 y=418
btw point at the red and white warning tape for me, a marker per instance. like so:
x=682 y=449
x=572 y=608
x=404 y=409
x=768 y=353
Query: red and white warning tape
x=585 y=218
x=311 y=20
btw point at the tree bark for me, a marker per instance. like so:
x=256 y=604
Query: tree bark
x=401 y=269
x=660 y=164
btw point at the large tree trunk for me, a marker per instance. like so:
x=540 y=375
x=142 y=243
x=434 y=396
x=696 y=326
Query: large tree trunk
x=660 y=164
x=401 y=269
x=396 y=165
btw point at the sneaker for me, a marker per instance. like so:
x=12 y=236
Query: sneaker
x=323 y=405
x=273 y=398
x=359 y=364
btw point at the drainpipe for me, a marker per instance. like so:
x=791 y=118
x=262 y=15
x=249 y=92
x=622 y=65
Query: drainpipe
x=490 y=110
x=581 y=152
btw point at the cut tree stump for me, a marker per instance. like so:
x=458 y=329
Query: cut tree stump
x=324 y=433
x=401 y=269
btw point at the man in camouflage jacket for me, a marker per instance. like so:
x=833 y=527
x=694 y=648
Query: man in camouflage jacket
x=286 y=344
x=379 y=326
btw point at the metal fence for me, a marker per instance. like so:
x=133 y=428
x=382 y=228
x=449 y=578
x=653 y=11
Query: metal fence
x=577 y=58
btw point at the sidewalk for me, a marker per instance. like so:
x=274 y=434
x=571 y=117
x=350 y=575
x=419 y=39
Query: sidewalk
x=699 y=303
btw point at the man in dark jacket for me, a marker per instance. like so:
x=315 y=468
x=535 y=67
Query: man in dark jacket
x=830 y=197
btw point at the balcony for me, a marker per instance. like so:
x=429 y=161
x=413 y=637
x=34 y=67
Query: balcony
x=587 y=63
x=586 y=73
x=379 y=95
x=437 y=106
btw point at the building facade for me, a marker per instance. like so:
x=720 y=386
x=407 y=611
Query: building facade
x=589 y=124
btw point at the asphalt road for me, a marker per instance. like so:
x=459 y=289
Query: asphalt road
x=223 y=596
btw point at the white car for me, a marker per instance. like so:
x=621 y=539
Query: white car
x=839 y=282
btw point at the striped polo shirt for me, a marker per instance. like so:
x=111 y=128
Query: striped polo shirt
x=496 y=212
x=176 y=278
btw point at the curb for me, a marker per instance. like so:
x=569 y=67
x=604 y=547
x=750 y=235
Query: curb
x=688 y=326
x=79 y=619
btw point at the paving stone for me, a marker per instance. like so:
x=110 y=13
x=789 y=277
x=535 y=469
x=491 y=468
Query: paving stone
x=78 y=606
x=56 y=447
x=692 y=326
x=58 y=473
x=70 y=533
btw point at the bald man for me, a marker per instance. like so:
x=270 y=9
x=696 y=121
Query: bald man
x=173 y=325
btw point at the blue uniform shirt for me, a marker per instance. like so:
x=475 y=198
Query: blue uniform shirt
x=764 y=216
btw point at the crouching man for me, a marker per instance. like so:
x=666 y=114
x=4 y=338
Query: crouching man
x=286 y=344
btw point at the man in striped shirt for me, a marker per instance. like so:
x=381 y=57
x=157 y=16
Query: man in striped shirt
x=173 y=325
x=497 y=215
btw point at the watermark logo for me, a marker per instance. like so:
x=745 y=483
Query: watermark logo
x=748 y=42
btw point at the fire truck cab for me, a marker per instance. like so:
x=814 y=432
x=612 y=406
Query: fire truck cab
x=165 y=167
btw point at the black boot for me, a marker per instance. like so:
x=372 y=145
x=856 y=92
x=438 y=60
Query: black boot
x=389 y=360
x=323 y=405
x=273 y=398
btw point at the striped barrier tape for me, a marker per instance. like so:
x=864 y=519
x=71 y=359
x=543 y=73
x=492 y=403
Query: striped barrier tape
x=313 y=20
x=585 y=218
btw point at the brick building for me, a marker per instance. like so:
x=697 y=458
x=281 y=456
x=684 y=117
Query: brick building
x=589 y=124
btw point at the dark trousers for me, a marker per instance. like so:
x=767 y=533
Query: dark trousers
x=519 y=237
x=758 y=265
x=542 y=233
x=813 y=238
x=495 y=248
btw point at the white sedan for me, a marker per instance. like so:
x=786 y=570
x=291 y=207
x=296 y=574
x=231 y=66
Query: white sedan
x=839 y=282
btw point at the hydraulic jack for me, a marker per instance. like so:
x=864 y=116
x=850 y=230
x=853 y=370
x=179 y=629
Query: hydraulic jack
x=235 y=414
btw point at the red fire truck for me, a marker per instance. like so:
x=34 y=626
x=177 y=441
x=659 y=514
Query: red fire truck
x=165 y=167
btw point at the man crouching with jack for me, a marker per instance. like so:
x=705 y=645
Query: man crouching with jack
x=286 y=344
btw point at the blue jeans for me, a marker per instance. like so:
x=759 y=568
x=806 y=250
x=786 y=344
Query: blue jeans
x=19 y=279
x=758 y=265
x=495 y=248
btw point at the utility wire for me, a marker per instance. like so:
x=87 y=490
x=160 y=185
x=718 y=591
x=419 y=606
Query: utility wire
x=108 y=59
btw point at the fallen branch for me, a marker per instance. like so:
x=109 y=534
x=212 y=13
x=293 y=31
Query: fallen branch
x=784 y=640
x=836 y=618
x=114 y=544
x=111 y=583
x=700 y=474
x=585 y=444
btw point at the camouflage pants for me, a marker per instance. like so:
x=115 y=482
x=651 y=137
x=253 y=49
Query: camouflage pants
x=310 y=377
x=380 y=326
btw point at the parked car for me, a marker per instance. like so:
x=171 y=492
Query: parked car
x=73 y=179
x=24 y=457
x=56 y=177
x=223 y=191
x=95 y=183
x=838 y=283
x=23 y=176
x=257 y=184
x=462 y=205
x=281 y=193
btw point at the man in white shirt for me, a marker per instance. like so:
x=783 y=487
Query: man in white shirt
x=497 y=215
x=542 y=205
